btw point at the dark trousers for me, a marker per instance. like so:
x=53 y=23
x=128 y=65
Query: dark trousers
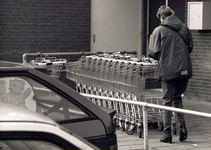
x=173 y=89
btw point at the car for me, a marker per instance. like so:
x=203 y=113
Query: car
x=28 y=86
x=23 y=129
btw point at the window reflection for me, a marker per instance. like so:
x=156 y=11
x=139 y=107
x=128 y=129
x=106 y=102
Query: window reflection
x=30 y=94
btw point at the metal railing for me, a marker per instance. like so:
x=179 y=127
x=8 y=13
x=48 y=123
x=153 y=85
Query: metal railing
x=145 y=114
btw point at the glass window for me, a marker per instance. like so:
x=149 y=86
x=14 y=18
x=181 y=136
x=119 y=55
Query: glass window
x=28 y=93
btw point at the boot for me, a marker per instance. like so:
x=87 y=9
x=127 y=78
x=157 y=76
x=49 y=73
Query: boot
x=183 y=133
x=167 y=138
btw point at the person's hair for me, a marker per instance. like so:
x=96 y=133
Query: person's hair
x=164 y=11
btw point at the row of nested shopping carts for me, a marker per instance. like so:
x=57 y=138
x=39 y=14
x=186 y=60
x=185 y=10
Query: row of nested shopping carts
x=122 y=78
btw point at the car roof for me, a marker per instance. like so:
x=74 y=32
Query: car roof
x=17 y=119
x=12 y=113
x=7 y=66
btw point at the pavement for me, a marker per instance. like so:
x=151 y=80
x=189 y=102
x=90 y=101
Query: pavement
x=199 y=132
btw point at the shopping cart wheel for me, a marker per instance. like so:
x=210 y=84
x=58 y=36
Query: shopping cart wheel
x=174 y=128
x=149 y=123
x=155 y=125
x=78 y=87
x=121 y=125
x=140 y=130
x=130 y=128
x=160 y=126
x=115 y=122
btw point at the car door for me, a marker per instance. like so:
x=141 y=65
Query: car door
x=34 y=95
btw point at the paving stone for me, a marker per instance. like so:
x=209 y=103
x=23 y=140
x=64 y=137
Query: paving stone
x=199 y=132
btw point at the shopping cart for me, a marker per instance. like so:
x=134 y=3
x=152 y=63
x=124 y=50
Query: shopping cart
x=55 y=70
x=123 y=79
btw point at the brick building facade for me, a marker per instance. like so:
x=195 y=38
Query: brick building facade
x=200 y=84
x=64 y=26
x=43 y=26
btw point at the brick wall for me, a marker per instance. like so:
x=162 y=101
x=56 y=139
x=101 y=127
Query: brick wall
x=64 y=26
x=200 y=84
x=43 y=26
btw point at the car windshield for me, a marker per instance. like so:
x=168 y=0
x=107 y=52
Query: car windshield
x=30 y=94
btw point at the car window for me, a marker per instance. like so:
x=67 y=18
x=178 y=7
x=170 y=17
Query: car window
x=16 y=91
x=30 y=94
x=28 y=145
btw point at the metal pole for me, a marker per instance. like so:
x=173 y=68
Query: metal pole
x=147 y=27
x=145 y=124
x=166 y=2
x=140 y=41
x=185 y=111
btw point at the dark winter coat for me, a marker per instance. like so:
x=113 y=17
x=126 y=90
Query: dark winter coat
x=166 y=46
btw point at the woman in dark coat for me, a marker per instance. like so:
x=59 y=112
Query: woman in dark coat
x=171 y=44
